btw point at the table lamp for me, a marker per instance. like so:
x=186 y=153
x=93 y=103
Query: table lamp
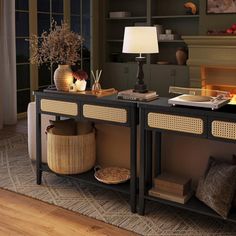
x=140 y=40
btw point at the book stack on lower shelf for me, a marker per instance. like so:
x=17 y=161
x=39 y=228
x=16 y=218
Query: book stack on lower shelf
x=172 y=187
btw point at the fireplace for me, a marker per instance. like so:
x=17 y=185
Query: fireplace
x=219 y=78
x=212 y=63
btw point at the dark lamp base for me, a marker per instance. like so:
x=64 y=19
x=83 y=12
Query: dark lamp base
x=140 y=88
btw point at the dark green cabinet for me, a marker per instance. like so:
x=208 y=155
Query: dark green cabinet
x=120 y=69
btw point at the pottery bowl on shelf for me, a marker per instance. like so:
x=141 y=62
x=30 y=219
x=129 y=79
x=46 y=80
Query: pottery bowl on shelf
x=163 y=62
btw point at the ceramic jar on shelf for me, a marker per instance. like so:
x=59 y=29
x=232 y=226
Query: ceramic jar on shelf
x=181 y=56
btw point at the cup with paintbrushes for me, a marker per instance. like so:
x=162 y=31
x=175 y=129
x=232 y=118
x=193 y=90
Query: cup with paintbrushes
x=96 y=88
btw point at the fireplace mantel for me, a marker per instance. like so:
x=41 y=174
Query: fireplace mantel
x=224 y=41
x=209 y=51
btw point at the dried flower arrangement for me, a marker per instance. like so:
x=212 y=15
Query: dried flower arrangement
x=80 y=75
x=59 y=45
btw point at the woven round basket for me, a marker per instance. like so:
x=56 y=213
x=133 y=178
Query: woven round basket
x=111 y=175
x=73 y=154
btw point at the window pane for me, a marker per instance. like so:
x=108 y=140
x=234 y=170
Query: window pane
x=22 y=5
x=44 y=5
x=22 y=51
x=86 y=23
x=58 y=18
x=57 y=6
x=76 y=66
x=75 y=6
x=75 y=23
x=86 y=67
x=86 y=8
x=86 y=32
x=22 y=24
x=43 y=23
x=86 y=52
x=44 y=75
x=23 y=78
x=23 y=99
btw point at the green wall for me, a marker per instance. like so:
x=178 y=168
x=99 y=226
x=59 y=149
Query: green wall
x=214 y=21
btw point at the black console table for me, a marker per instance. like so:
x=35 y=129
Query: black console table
x=105 y=110
x=157 y=117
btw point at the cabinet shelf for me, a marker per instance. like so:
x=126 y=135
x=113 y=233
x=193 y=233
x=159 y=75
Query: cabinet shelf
x=171 y=15
x=195 y=205
x=170 y=65
x=127 y=18
x=115 y=40
x=171 y=41
x=175 y=16
x=160 y=41
x=88 y=177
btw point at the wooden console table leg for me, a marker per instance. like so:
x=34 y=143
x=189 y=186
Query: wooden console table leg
x=143 y=133
x=133 y=164
x=38 y=145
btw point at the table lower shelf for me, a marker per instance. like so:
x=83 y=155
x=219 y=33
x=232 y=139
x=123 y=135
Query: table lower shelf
x=195 y=205
x=88 y=177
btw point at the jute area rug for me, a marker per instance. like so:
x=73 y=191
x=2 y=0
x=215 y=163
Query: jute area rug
x=17 y=173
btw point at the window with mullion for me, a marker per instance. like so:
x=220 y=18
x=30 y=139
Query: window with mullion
x=86 y=35
x=22 y=54
x=22 y=5
x=53 y=9
x=75 y=6
x=80 y=23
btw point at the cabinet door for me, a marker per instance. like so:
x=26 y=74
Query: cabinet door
x=115 y=75
x=164 y=76
x=122 y=76
x=181 y=76
x=160 y=80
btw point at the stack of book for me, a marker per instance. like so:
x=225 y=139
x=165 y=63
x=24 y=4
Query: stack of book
x=131 y=95
x=172 y=187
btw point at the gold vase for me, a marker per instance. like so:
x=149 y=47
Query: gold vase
x=63 y=77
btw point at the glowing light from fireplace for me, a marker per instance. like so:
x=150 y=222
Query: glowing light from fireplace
x=228 y=88
x=217 y=77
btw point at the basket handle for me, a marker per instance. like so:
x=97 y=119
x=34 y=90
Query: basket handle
x=97 y=168
x=48 y=128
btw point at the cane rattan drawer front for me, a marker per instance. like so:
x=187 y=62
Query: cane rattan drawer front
x=59 y=107
x=113 y=114
x=223 y=129
x=185 y=124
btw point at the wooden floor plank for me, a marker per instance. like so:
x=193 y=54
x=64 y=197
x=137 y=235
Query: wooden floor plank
x=21 y=215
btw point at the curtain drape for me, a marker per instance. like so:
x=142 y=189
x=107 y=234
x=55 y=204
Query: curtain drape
x=8 y=107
